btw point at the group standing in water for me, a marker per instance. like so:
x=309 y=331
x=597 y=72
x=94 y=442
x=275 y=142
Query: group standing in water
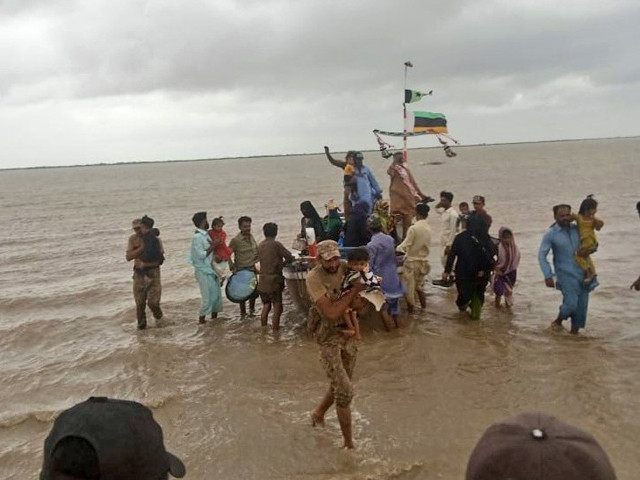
x=375 y=233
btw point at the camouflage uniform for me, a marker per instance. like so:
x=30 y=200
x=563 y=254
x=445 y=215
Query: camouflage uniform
x=337 y=352
x=147 y=290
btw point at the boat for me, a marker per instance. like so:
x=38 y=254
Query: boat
x=295 y=275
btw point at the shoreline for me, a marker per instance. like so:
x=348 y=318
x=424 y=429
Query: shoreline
x=139 y=162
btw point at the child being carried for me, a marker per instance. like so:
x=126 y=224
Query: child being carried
x=221 y=252
x=358 y=271
x=587 y=226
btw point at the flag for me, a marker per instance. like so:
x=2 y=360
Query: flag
x=411 y=96
x=429 y=122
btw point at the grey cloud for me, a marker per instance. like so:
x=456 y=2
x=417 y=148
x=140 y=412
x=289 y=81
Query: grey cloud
x=276 y=48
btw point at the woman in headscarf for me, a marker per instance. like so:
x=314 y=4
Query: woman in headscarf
x=473 y=253
x=332 y=223
x=382 y=251
x=381 y=209
x=404 y=193
x=311 y=219
x=504 y=275
x=356 y=233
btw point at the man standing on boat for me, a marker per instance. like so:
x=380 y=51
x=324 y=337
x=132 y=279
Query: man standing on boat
x=245 y=256
x=368 y=189
x=563 y=239
x=404 y=193
x=338 y=349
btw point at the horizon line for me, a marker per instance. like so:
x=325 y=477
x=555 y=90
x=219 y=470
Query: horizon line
x=138 y=162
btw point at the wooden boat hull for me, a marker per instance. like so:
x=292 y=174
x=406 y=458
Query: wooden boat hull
x=295 y=280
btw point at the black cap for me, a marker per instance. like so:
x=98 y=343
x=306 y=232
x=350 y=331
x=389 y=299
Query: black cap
x=127 y=441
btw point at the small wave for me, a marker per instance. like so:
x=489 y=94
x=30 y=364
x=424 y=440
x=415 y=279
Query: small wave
x=11 y=420
x=48 y=416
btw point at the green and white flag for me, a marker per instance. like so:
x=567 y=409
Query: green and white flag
x=411 y=96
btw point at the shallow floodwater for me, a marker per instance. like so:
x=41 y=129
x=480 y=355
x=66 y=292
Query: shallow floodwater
x=234 y=399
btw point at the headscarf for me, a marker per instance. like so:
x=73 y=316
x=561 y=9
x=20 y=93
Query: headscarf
x=508 y=255
x=308 y=210
x=381 y=209
x=332 y=224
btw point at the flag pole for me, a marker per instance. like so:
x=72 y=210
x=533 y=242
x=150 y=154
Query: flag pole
x=407 y=65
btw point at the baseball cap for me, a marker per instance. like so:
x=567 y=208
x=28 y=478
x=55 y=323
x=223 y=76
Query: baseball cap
x=328 y=249
x=127 y=441
x=478 y=198
x=535 y=446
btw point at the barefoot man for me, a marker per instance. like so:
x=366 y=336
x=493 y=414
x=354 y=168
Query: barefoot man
x=337 y=348
x=562 y=238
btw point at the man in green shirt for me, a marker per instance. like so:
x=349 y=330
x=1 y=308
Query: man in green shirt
x=245 y=256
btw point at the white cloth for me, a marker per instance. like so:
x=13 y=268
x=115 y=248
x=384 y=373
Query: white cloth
x=449 y=230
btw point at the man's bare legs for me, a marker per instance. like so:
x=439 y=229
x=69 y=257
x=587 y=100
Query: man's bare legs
x=343 y=413
x=264 y=315
x=344 y=418
x=317 y=416
x=422 y=297
x=387 y=319
x=277 y=312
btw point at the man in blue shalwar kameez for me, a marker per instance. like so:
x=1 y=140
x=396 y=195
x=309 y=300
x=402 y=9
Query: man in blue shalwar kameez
x=563 y=239
x=200 y=257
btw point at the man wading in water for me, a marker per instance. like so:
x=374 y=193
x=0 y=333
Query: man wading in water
x=145 y=249
x=338 y=349
x=245 y=256
x=563 y=239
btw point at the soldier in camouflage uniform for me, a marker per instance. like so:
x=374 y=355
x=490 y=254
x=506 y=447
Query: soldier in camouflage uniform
x=338 y=349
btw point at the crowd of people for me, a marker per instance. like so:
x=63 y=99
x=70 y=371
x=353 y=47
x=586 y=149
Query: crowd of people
x=375 y=234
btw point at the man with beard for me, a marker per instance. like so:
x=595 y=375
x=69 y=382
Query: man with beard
x=245 y=256
x=563 y=239
x=338 y=349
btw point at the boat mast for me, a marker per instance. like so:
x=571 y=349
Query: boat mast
x=407 y=65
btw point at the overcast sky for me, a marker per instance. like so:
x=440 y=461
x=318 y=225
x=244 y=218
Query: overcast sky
x=90 y=81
